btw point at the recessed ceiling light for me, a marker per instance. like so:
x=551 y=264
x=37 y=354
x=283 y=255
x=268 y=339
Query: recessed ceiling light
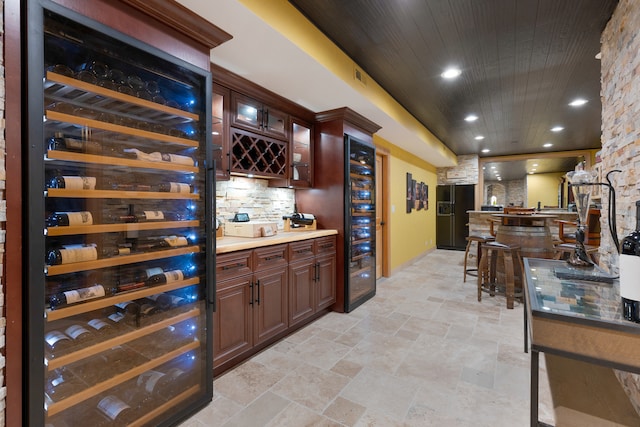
x=531 y=173
x=486 y=150
x=578 y=102
x=557 y=129
x=471 y=118
x=451 y=73
x=547 y=145
x=479 y=138
x=535 y=165
x=599 y=55
x=493 y=167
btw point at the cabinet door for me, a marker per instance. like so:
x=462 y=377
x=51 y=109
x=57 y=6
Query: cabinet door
x=246 y=112
x=233 y=326
x=270 y=313
x=326 y=281
x=301 y=155
x=301 y=290
x=275 y=122
x=220 y=101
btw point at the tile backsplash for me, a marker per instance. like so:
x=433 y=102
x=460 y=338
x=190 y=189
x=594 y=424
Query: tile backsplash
x=254 y=197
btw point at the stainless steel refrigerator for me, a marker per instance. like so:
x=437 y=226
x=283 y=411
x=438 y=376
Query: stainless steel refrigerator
x=119 y=203
x=452 y=204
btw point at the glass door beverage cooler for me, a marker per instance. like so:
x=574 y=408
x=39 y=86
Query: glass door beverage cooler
x=360 y=223
x=120 y=248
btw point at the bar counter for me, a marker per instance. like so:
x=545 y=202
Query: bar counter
x=228 y=244
x=479 y=220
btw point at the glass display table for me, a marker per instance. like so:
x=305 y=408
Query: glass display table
x=577 y=322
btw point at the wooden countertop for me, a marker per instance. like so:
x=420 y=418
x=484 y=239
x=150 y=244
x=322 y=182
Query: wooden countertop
x=232 y=244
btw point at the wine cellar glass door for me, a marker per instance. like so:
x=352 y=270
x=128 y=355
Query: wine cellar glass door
x=119 y=281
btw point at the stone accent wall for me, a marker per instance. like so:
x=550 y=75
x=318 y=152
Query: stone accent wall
x=465 y=173
x=254 y=197
x=620 y=69
x=508 y=193
x=3 y=219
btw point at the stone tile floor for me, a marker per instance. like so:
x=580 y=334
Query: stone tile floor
x=422 y=352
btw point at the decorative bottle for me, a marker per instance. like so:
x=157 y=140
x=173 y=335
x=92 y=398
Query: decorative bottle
x=630 y=271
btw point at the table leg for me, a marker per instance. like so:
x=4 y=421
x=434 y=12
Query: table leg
x=509 y=278
x=526 y=324
x=535 y=360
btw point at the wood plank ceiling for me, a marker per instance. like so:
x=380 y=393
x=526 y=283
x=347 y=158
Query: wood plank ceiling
x=522 y=62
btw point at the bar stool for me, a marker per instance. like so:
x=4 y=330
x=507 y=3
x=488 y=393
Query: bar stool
x=562 y=250
x=479 y=241
x=487 y=270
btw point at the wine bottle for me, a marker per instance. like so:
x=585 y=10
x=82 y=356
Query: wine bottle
x=166 y=277
x=62 y=384
x=148 y=307
x=68 y=254
x=151 y=244
x=65 y=219
x=159 y=157
x=57 y=341
x=101 y=327
x=73 y=182
x=80 y=295
x=118 y=412
x=149 y=216
x=79 y=334
x=130 y=311
x=173 y=187
x=72 y=253
x=629 y=273
x=155 y=383
x=60 y=142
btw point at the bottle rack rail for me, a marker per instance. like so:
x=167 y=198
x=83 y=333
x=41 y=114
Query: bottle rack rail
x=97 y=304
x=53 y=270
x=117 y=194
x=69 y=156
x=121 y=227
x=53 y=408
x=59 y=87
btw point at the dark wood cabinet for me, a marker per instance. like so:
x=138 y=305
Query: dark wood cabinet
x=266 y=135
x=252 y=114
x=268 y=292
x=312 y=277
x=330 y=181
x=232 y=320
x=251 y=301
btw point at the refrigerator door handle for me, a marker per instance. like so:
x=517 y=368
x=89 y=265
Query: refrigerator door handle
x=210 y=287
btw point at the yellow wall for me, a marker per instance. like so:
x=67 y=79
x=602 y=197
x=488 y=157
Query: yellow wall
x=543 y=188
x=411 y=234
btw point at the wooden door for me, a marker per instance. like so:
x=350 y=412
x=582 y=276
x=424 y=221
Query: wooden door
x=379 y=217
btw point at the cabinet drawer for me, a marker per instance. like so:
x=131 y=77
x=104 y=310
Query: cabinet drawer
x=301 y=250
x=270 y=257
x=233 y=264
x=325 y=245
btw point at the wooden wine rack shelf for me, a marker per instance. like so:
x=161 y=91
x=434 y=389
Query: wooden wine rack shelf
x=58 y=86
x=144 y=420
x=53 y=408
x=54 y=270
x=85 y=352
x=116 y=194
x=113 y=228
x=96 y=124
x=97 y=304
x=116 y=161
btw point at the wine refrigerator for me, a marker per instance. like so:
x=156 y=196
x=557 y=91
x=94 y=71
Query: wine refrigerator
x=360 y=222
x=120 y=199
